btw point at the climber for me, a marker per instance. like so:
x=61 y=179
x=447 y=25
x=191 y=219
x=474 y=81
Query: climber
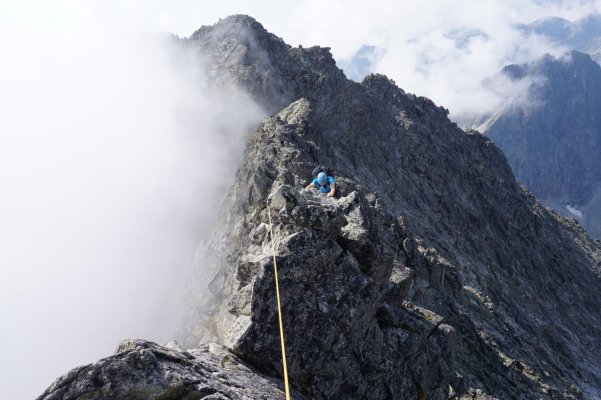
x=323 y=181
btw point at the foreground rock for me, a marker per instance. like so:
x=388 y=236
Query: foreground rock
x=146 y=371
x=344 y=277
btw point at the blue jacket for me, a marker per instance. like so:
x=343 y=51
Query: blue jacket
x=325 y=188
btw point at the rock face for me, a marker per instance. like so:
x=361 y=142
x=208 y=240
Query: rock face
x=433 y=274
x=553 y=143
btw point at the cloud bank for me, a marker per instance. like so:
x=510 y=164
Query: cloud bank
x=115 y=152
x=449 y=53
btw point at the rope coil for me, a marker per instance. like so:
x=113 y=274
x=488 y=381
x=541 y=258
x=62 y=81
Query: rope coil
x=277 y=296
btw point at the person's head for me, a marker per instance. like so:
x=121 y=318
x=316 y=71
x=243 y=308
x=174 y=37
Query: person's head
x=322 y=178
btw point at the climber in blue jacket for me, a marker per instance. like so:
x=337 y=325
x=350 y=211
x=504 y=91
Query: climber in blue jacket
x=324 y=183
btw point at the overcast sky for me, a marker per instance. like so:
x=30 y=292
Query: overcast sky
x=114 y=152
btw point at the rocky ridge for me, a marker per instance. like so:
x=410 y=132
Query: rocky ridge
x=434 y=274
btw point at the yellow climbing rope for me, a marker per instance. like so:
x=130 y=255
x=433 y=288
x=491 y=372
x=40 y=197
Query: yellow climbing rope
x=277 y=296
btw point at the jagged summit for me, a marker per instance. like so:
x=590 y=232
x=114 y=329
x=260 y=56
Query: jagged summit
x=274 y=71
x=381 y=83
x=236 y=22
x=433 y=274
x=240 y=28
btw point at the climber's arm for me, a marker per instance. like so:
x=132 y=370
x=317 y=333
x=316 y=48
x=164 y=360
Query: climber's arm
x=332 y=191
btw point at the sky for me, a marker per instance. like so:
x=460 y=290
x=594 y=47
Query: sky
x=115 y=151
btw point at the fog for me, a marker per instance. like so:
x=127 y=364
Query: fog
x=115 y=153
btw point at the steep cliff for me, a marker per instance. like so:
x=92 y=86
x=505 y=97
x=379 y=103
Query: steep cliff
x=432 y=274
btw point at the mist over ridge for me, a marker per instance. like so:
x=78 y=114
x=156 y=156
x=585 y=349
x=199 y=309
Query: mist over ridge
x=114 y=159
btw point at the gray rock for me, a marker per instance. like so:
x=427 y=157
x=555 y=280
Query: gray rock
x=145 y=370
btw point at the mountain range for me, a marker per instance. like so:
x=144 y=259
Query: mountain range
x=553 y=140
x=583 y=34
x=433 y=274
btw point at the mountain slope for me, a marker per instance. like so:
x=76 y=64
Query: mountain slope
x=434 y=274
x=553 y=142
x=454 y=192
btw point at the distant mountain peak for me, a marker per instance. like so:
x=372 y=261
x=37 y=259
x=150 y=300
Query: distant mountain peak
x=553 y=147
x=243 y=30
x=514 y=71
x=232 y=24
x=583 y=34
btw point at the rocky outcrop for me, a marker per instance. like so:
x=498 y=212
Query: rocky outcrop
x=432 y=275
x=341 y=263
x=146 y=371
x=553 y=142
